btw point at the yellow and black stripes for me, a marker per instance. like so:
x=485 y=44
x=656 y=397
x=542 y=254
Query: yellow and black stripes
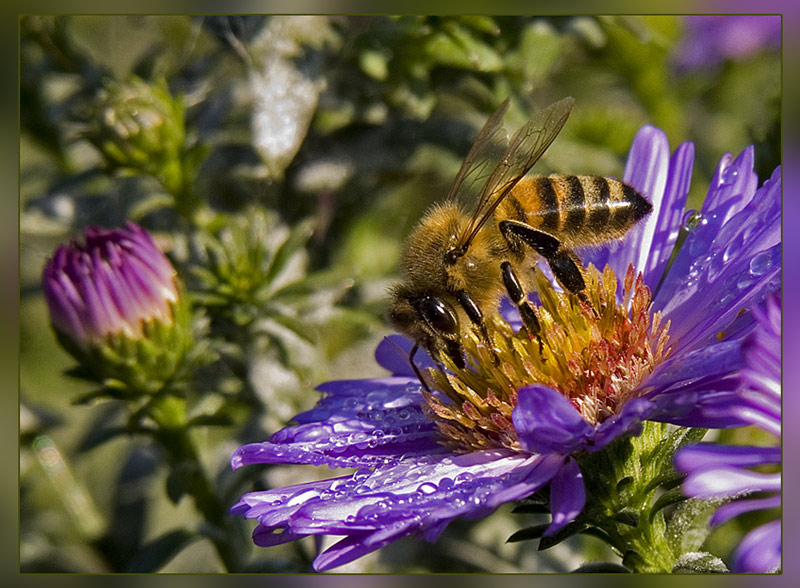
x=576 y=209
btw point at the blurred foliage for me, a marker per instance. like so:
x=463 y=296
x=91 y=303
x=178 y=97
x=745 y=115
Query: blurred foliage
x=280 y=161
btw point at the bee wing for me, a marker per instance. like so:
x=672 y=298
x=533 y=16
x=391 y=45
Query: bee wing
x=477 y=159
x=523 y=151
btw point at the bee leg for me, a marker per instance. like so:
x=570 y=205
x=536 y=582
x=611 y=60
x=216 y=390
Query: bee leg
x=518 y=296
x=476 y=316
x=562 y=261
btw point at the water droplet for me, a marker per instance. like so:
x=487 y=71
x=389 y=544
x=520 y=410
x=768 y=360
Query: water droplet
x=427 y=488
x=761 y=263
x=464 y=477
x=732 y=249
x=691 y=220
x=412 y=388
x=374 y=399
x=729 y=176
x=362 y=474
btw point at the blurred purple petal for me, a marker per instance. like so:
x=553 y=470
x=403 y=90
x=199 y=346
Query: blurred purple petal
x=760 y=551
x=567 y=496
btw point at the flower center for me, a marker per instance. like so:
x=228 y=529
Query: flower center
x=594 y=351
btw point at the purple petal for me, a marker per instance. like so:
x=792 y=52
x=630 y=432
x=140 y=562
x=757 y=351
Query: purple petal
x=358 y=423
x=734 y=182
x=627 y=423
x=392 y=354
x=733 y=509
x=666 y=182
x=567 y=496
x=729 y=481
x=729 y=262
x=698 y=388
x=547 y=422
x=646 y=170
x=760 y=550
x=710 y=455
x=419 y=496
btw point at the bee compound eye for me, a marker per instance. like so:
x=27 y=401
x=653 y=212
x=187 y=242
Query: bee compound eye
x=438 y=314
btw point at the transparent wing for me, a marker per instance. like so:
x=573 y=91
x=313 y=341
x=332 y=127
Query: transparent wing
x=523 y=151
x=478 y=158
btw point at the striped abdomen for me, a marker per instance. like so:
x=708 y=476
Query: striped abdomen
x=578 y=210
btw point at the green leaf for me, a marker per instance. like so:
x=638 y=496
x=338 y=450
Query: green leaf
x=699 y=563
x=571 y=529
x=626 y=517
x=531 y=509
x=688 y=528
x=527 y=534
x=295 y=241
x=159 y=551
x=458 y=48
x=668 y=498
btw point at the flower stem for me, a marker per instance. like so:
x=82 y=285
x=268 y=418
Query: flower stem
x=622 y=483
x=188 y=473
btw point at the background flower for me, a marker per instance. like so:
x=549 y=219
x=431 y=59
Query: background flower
x=731 y=471
x=113 y=284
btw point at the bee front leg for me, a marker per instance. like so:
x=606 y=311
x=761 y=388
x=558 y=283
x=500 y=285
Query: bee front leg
x=520 y=299
x=562 y=261
x=476 y=316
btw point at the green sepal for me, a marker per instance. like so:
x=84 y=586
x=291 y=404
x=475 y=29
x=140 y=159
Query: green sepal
x=527 y=534
x=129 y=367
x=531 y=508
x=571 y=529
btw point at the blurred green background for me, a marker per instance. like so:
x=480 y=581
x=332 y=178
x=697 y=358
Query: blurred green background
x=311 y=145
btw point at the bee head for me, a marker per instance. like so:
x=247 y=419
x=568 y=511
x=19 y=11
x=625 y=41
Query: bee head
x=427 y=319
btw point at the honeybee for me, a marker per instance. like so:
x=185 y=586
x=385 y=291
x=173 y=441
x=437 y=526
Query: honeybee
x=459 y=261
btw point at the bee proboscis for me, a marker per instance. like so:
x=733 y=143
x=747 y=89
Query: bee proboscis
x=463 y=256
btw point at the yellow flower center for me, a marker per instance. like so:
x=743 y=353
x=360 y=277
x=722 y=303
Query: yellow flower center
x=594 y=351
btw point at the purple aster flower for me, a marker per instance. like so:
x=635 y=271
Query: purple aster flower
x=112 y=284
x=720 y=471
x=520 y=417
x=115 y=305
x=712 y=39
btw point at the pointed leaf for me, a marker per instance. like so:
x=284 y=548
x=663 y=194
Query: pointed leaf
x=295 y=241
x=159 y=551
x=527 y=534
x=668 y=498
x=531 y=509
x=571 y=529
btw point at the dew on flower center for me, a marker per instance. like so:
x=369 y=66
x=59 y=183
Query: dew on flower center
x=595 y=352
